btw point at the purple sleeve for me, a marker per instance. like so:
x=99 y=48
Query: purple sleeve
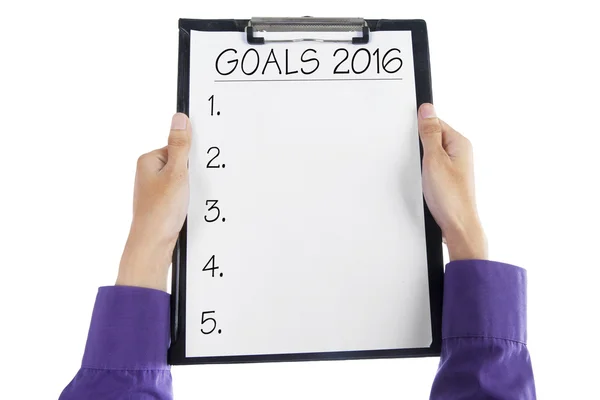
x=484 y=333
x=126 y=352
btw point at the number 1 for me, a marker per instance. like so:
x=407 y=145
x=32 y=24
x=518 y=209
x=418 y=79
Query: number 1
x=212 y=104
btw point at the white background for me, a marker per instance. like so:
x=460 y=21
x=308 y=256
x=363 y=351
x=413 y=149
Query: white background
x=87 y=87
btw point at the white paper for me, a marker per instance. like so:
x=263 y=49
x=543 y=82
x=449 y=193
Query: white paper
x=323 y=244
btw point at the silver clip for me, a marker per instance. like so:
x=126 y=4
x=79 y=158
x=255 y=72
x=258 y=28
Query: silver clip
x=307 y=24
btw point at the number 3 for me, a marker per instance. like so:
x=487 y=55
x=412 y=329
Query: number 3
x=213 y=206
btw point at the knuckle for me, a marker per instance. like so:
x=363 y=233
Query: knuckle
x=430 y=128
x=142 y=159
x=467 y=143
x=177 y=141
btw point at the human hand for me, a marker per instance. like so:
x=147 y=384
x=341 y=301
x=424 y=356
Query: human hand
x=160 y=203
x=448 y=186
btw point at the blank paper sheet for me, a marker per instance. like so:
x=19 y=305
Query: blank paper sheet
x=306 y=222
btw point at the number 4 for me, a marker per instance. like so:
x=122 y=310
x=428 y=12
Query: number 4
x=211 y=262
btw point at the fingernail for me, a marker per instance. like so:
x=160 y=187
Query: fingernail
x=179 y=122
x=428 y=111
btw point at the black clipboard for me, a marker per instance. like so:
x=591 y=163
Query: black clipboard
x=418 y=29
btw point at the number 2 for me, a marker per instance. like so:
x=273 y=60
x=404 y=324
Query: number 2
x=335 y=70
x=208 y=165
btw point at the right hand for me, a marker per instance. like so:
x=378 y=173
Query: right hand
x=448 y=186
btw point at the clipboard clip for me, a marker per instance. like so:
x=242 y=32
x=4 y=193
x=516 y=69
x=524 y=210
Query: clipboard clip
x=307 y=24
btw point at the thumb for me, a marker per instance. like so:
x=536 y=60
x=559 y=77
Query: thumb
x=180 y=139
x=430 y=128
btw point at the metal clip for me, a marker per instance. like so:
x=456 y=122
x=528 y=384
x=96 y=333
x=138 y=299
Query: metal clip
x=307 y=24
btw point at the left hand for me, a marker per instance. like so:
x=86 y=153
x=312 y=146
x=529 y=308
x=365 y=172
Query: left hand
x=160 y=204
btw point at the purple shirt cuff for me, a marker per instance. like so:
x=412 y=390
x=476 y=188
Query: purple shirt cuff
x=129 y=329
x=485 y=299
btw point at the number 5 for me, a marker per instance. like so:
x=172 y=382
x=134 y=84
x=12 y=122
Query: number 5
x=214 y=322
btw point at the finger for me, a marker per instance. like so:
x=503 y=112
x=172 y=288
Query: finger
x=154 y=160
x=180 y=139
x=449 y=134
x=161 y=155
x=453 y=142
x=430 y=128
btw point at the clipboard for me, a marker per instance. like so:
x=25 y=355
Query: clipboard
x=357 y=31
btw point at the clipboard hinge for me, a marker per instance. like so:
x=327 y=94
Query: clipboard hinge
x=307 y=24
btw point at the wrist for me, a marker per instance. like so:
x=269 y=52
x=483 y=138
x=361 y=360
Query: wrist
x=467 y=241
x=145 y=264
